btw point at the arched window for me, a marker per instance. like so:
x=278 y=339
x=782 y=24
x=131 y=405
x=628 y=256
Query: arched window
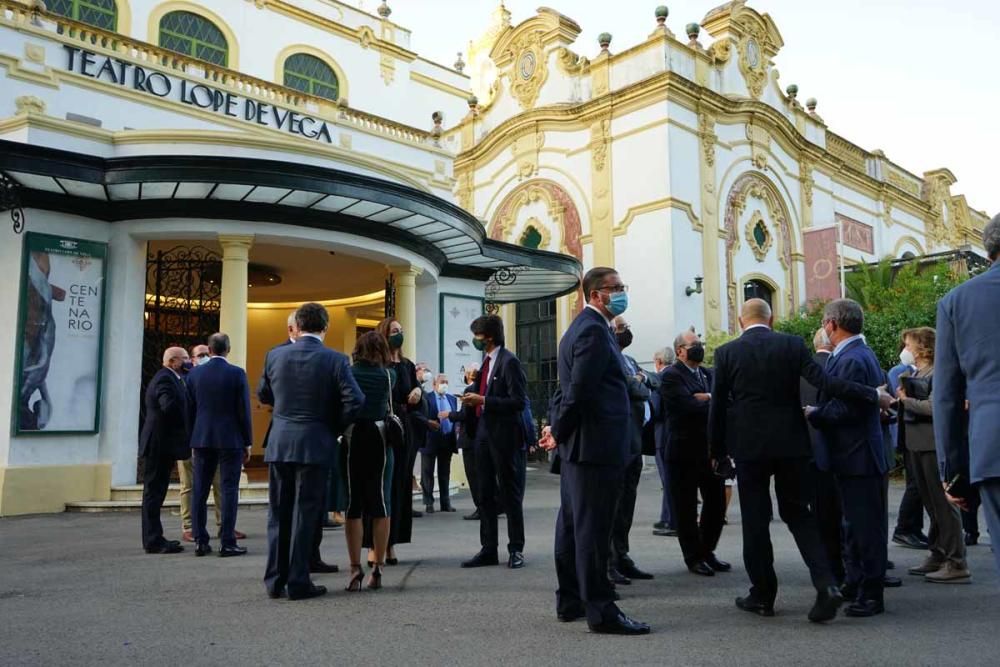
x=532 y=238
x=758 y=289
x=194 y=35
x=98 y=13
x=312 y=76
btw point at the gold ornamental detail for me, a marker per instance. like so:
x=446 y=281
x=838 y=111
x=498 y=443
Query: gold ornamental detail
x=529 y=71
x=758 y=236
x=706 y=132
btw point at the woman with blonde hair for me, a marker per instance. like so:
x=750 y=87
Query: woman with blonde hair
x=946 y=562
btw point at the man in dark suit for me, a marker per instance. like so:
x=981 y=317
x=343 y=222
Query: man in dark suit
x=440 y=445
x=686 y=396
x=499 y=402
x=590 y=422
x=163 y=441
x=316 y=563
x=966 y=382
x=850 y=445
x=665 y=527
x=221 y=438
x=315 y=397
x=757 y=418
x=621 y=568
x=826 y=496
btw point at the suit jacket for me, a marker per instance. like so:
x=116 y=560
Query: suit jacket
x=267 y=434
x=810 y=396
x=166 y=430
x=315 y=397
x=437 y=442
x=756 y=411
x=850 y=441
x=591 y=413
x=220 y=403
x=687 y=417
x=506 y=397
x=639 y=394
x=917 y=415
x=467 y=421
x=661 y=434
x=966 y=367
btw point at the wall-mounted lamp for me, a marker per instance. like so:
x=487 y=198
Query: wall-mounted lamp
x=697 y=286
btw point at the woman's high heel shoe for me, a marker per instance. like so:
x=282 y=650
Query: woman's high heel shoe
x=375 y=580
x=357 y=576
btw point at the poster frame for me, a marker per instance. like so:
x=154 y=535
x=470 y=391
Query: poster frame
x=480 y=301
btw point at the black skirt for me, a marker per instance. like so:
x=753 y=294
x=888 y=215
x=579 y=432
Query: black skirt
x=367 y=468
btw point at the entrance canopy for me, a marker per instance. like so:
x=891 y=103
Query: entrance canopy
x=216 y=187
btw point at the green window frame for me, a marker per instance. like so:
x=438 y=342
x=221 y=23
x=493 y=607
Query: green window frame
x=195 y=36
x=101 y=14
x=312 y=76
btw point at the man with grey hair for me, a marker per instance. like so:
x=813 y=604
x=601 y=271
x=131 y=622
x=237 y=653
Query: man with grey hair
x=966 y=373
x=850 y=446
x=665 y=527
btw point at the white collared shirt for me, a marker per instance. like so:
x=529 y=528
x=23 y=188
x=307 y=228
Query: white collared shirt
x=610 y=322
x=844 y=343
x=218 y=357
x=311 y=335
x=756 y=326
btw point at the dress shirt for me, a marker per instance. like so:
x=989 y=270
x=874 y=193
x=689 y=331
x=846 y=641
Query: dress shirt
x=844 y=343
x=444 y=406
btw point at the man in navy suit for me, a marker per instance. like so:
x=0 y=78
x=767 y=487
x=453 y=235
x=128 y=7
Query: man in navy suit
x=221 y=438
x=850 y=445
x=163 y=440
x=590 y=421
x=315 y=397
x=440 y=445
x=499 y=402
x=967 y=376
x=665 y=527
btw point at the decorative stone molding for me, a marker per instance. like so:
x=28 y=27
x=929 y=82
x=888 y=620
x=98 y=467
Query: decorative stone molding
x=806 y=168
x=706 y=132
x=29 y=104
x=600 y=142
x=760 y=145
x=570 y=63
x=758 y=236
x=530 y=71
x=562 y=211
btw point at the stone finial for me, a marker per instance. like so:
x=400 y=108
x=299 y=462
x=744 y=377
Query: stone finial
x=662 y=12
x=384 y=10
x=792 y=90
x=459 y=63
x=693 y=30
x=473 y=102
x=604 y=39
x=811 y=105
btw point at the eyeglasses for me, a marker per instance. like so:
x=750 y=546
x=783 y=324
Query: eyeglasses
x=614 y=289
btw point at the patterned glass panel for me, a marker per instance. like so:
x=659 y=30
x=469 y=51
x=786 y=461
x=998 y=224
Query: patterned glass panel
x=312 y=76
x=195 y=36
x=98 y=13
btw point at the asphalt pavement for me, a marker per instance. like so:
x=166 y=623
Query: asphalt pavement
x=77 y=589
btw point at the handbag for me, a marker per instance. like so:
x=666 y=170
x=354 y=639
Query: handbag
x=395 y=435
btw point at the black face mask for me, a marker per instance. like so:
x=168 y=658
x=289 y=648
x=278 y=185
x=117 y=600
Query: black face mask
x=624 y=338
x=696 y=354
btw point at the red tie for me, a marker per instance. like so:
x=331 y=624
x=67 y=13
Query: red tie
x=484 y=376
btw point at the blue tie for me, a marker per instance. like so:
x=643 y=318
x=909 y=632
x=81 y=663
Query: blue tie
x=444 y=406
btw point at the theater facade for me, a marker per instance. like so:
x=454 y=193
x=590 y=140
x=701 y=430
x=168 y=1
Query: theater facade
x=171 y=168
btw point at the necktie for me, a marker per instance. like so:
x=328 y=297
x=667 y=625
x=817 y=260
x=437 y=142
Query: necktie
x=444 y=406
x=484 y=376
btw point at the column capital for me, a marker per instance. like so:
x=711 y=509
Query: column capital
x=236 y=242
x=406 y=274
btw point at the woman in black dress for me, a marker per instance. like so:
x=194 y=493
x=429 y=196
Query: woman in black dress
x=366 y=461
x=407 y=398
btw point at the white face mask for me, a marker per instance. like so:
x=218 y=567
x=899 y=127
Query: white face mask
x=202 y=361
x=825 y=337
x=907 y=358
x=442 y=389
x=428 y=376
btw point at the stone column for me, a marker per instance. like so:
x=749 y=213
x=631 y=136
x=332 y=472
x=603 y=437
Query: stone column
x=406 y=307
x=235 y=293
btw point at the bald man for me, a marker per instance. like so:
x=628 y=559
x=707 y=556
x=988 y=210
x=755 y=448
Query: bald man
x=164 y=439
x=757 y=418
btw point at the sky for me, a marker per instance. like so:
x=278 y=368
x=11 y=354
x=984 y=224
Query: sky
x=919 y=79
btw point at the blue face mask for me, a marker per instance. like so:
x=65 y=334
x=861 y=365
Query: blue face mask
x=618 y=303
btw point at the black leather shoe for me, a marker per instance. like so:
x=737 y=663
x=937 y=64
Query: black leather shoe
x=428 y=509
x=229 y=552
x=971 y=539
x=516 y=560
x=202 y=550
x=319 y=567
x=447 y=508
x=472 y=517
x=849 y=592
x=617 y=578
x=910 y=541
x=417 y=514
x=168 y=547
x=570 y=615
x=664 y=532
x=701 y=568
x=482 y=559
x=632 y=572
x=659 y=525
x=717 y=565
x=313 y=592
x=864 y=608
x=827 y=604
x=755 y=606
x=621 y=625
x=892 y=582
x=274 y=595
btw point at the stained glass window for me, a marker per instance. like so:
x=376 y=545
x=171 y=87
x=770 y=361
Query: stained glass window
x=532 y=238
x=312 y=76
x=98 y=13
x=195 y=36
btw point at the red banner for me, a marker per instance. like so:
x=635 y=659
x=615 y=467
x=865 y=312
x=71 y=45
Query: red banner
x=822 y=268
x=857 y=235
